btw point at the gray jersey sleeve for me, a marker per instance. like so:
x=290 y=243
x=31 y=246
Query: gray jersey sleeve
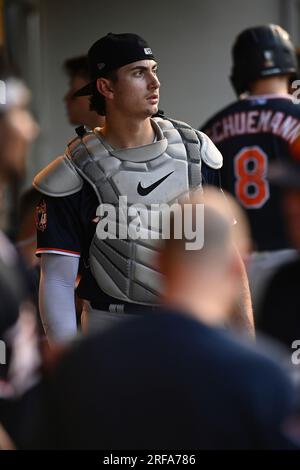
x=56 y=296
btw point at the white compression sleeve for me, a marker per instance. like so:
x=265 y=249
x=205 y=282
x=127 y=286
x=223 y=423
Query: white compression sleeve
x=56 y=296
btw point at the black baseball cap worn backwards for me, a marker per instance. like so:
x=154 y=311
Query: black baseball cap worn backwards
x=112 y=52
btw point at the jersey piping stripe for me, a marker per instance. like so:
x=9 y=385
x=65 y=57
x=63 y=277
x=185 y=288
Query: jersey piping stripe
x=57 y=251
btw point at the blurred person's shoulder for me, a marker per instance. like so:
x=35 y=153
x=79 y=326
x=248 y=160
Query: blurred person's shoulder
x=188 y=334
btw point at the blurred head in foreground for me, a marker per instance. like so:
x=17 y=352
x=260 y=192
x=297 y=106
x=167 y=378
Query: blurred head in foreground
x=205 y=281
x=155 y=382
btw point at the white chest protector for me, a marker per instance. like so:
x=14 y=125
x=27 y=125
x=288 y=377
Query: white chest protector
x=157 y=173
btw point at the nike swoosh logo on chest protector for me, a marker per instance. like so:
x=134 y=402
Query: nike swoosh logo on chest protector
x=144 y=191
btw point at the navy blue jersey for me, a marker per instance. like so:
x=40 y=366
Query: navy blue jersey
x=66 y=225
x=250 y=134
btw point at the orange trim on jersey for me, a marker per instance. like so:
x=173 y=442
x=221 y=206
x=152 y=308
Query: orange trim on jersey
x=57 y=249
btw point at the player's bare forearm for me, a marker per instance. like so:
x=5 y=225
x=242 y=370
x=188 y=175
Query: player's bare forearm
x=242 y=317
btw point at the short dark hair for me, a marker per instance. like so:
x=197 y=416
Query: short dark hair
x=97 y=100
x=77 y=66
